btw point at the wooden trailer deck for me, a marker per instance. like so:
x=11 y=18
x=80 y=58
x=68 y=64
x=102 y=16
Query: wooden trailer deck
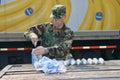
x=108 y=71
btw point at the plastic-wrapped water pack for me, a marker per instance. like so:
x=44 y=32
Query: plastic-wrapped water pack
x=47 y=65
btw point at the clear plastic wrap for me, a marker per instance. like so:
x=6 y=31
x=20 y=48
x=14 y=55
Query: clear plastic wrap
x=47 y=65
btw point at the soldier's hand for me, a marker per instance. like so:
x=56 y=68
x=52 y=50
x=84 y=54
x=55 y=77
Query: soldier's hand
x=39 y=50
x=34 y=39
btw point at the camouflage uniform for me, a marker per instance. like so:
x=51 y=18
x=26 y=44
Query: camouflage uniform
x=57 y=41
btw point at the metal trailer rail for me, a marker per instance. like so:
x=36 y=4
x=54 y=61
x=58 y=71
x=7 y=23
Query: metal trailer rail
x=81 y=35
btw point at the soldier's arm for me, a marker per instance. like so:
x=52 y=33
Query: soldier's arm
x=35 y=30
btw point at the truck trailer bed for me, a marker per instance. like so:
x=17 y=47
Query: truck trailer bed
x=108 y=71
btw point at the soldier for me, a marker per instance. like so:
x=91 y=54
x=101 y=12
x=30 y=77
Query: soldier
x=56 y=37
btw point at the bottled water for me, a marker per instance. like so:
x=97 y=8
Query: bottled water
x=89 y=61
x=72 y=62
x=101 y=61
x=95 y=61
x=78 y=61
x=83 y=61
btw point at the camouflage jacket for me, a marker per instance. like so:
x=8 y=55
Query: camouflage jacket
x=58 y=42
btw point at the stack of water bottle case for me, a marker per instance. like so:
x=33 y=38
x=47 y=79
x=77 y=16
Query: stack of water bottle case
x=52 y=66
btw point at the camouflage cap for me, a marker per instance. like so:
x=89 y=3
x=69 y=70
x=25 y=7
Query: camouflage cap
x=58 y=11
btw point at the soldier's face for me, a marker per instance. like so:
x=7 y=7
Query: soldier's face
x=58 y=23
